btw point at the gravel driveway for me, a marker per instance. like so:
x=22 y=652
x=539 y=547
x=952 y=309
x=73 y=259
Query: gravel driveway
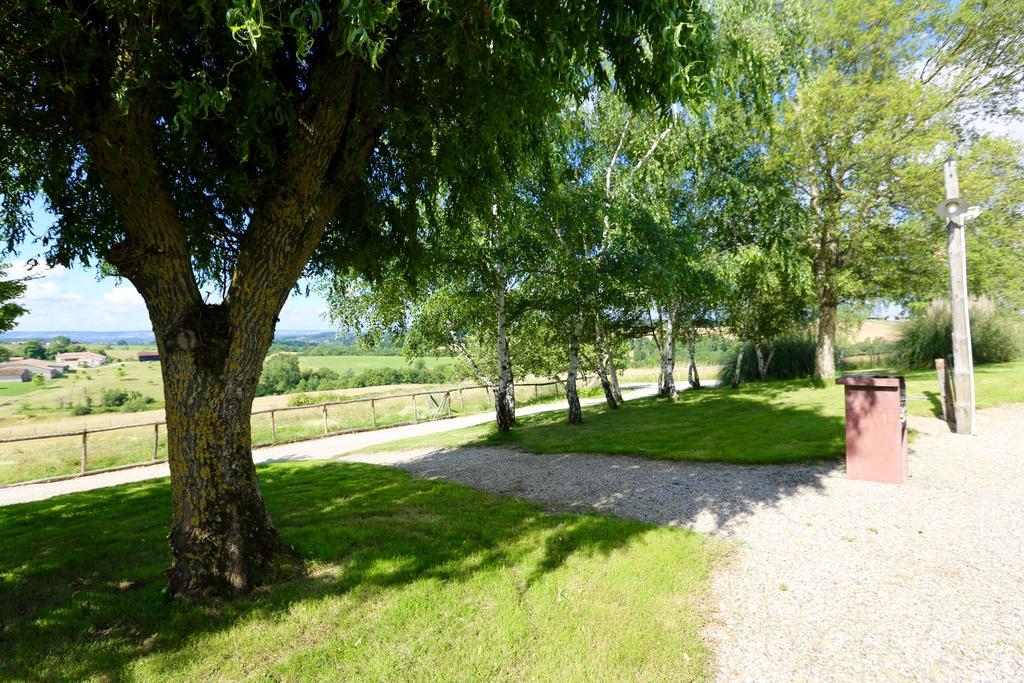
x=830 y=579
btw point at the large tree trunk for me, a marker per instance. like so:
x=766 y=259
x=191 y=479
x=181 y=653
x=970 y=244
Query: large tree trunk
x=571 y=394
x=692 y=377
x=222 y=539
x=667 y=389
x=503 y=402
x=825 y=349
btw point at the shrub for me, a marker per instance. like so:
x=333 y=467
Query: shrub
x=81 y=410
x=113 y=398
x=127 y=401
x=994 y=336
x=136 y=402
x=792 y=357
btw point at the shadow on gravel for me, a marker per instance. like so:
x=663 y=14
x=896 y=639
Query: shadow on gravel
x=706 y=497
x=705 y=460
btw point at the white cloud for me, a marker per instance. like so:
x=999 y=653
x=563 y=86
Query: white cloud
x=59 y=299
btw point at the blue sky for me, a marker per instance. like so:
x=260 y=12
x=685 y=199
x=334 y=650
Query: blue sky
x=75 y=299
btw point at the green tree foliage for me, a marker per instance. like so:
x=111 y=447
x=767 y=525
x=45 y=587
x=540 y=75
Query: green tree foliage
x=9 y=310
x=33 y=348
x=237 y=145
x=979 y=58
x=858 y=139
x=992 y=178
x=281 y=374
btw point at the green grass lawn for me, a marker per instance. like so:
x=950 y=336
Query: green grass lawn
x=408 y=579
x=760 y=423
x=769 y=422
x=359 y=363
x=993 y=385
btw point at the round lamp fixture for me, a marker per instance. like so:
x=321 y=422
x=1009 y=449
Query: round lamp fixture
x=951 y=208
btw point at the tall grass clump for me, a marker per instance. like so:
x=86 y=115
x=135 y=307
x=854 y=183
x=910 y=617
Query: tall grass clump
x=995 y=336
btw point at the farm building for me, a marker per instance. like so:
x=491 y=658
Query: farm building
x=145 y=356
x=14 y=375
x=82 y=358
x=47 y=369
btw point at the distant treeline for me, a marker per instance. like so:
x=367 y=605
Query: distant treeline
x=311 y=348
x=282 y=375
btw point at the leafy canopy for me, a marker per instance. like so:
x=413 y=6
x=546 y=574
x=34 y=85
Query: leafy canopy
x=443 y=93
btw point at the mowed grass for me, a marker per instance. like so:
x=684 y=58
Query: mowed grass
x=771 y=422
x=408 y=579
x=994 y=385
x=359 y=363
x=759 y=423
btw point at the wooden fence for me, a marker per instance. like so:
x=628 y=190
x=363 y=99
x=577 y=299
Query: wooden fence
x=391 y=410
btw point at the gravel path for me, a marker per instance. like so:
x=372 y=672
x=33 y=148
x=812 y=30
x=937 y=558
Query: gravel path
x=831 y=579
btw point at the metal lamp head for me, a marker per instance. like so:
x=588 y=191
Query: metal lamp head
x=952 y=208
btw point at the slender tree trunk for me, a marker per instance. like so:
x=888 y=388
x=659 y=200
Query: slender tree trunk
x=668 y=358
x=825 y=349
x=571 y=394
x=692 y=376
x=503 y=405
x=461 y=348
x=762 y=362
x=737 y=371
x=602 y=365
x=613 y=377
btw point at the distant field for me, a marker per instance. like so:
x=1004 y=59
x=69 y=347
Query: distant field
x=359 y=363
x=889 y=330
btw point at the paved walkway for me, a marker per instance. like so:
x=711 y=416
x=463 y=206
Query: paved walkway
x=830 y=579
x=315 y=449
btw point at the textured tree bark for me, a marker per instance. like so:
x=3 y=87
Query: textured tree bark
x=503 y=405
x=692 y=376
x=825 y=349
x=222 y=539
x=571 y=394
x=668 y=358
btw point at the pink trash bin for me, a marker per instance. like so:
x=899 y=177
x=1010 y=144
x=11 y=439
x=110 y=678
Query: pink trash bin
x=876 y=428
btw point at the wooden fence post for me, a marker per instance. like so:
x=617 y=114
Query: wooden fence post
x=156 y=440
x=273 y=428
x=462 y=399
x=414 y=419
x=85 y=451
x=373 y=413
x=535 y=392
x=448 y=400
x=325 y=419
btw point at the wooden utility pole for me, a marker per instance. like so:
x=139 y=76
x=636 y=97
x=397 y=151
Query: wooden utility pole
x=963 y=357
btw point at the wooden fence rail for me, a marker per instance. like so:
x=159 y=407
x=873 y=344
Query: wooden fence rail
x=442 y=410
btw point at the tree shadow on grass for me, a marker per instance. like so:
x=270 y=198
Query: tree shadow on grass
x=81 y=576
